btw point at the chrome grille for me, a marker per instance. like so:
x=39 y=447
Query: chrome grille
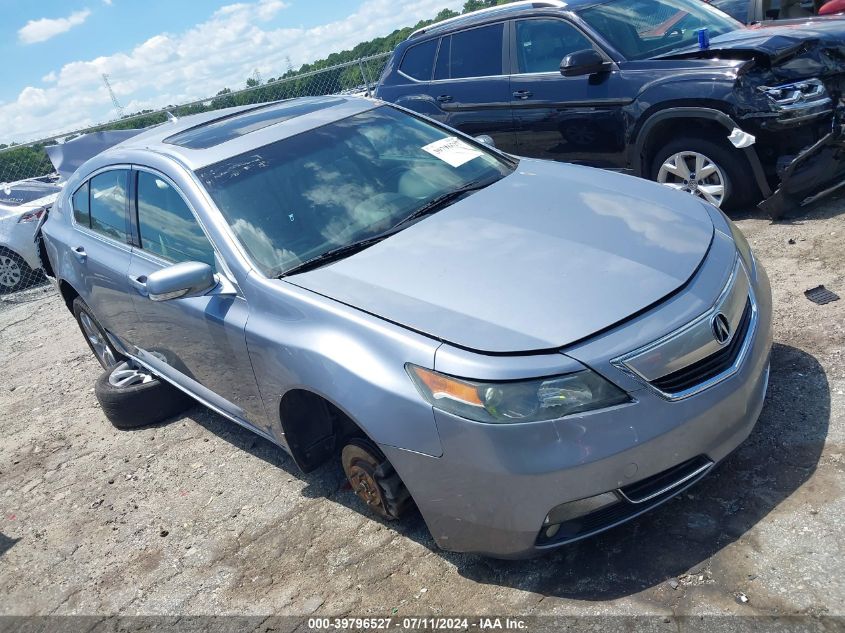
x=690 y=359
x=709 y=366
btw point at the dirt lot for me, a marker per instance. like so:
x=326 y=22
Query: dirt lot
x=198 y=516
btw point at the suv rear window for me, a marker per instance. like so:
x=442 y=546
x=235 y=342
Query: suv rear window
x=473 y=53
x=418 y=61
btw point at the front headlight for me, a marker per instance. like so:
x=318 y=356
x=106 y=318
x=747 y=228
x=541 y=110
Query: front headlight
x=797 y=94
x=516 y=401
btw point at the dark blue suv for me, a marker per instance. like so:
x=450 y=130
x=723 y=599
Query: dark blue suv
x=673 y=90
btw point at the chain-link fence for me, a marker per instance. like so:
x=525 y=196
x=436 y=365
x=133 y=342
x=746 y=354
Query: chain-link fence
x=29 y=184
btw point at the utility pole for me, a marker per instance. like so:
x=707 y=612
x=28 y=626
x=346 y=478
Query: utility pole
x=114 y=100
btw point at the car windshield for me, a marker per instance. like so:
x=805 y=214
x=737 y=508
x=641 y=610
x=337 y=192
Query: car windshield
x=304 y=196
x=640 y=29
x=737 y=9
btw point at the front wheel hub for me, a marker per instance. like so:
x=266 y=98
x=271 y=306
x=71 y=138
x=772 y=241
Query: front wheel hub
x=365 y=470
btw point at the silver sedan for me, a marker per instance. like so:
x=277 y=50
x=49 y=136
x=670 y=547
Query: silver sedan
x=530 y=352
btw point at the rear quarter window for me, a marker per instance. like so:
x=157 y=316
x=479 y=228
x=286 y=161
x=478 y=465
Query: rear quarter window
x=81 y=209
x=107 y=203
x=418 y=61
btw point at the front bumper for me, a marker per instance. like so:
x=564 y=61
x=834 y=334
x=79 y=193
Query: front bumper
x=813 y=173
x=494 y=485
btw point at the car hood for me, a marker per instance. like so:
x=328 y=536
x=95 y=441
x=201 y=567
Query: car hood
x=544 y=257
x=793 y=48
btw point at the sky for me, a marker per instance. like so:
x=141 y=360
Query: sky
x=162 y=52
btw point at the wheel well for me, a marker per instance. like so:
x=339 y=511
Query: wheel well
x=314 y=427
x=670 y=129
x=68 y=294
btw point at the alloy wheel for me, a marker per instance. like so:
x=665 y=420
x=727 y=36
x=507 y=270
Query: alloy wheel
x=101 y=348
x=10 y=271
x=694 y=173
x=125 y=375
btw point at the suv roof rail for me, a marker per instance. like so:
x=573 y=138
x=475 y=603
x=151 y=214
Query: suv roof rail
x=503 y=9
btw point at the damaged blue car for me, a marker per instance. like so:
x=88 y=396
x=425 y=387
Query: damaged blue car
x=671 y=90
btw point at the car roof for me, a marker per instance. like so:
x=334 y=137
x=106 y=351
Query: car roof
x=514 y=9
x=203 y=139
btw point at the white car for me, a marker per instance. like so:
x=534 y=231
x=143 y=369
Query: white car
x=22 y=204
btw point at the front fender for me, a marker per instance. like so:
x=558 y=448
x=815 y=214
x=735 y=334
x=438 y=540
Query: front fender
x=300 y=340
x=650 y=122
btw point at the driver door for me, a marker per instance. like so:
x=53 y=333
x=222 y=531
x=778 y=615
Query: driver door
x=198 y=342
x=575 y=119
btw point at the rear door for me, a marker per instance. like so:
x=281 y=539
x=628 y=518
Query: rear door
x=101 y=251
x=198 y=342
x=409 y=85
x=471 y=87
x=576 y=119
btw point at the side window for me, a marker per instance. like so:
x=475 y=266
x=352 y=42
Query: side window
x=419 y=60
x=81 y=210
x=476 y=52
x=542 y=44
x=166 y=225
x=107 y=203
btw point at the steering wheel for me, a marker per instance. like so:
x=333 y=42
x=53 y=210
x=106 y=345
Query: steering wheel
x=676 y=31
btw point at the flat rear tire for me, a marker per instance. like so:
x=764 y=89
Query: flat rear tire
x=131 y=397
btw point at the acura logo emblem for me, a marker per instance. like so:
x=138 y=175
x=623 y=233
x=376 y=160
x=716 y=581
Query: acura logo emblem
x=721 y=328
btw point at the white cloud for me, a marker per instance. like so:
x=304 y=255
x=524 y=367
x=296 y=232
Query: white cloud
x=220 y=52
x=46 y=28
x=107 y=2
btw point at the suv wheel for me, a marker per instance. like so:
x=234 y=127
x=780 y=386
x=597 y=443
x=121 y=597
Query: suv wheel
x=95 y=335
x=703 y=168
x=15 y=273
x=131 y=397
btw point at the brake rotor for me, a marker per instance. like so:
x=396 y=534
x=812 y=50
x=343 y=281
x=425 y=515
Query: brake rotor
x=362 y=471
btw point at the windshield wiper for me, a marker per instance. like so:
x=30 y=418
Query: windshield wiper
x=335 y=254
x=349 y=249
x=438 y=203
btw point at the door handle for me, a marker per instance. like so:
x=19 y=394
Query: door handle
x=80 y=254
x=445 y=98
x=139 y=283
x=523 y=94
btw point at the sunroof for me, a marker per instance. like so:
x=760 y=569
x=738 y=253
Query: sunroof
x=221 y=130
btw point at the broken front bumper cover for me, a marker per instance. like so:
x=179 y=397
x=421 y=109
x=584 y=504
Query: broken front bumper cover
x=814 y=173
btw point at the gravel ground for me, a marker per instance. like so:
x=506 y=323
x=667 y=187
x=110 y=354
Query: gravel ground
x=197 y=516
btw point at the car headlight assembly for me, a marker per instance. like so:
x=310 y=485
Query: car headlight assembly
x=532 y=400
x=796 y=95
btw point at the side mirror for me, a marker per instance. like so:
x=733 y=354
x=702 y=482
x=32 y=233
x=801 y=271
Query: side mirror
x=486 y=139
x=188 y=279
x=586 y=62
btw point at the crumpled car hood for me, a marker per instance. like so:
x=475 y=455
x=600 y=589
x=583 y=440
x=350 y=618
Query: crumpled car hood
x=792 y=48
x=548 y=255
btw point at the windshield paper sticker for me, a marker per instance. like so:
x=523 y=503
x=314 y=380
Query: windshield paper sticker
x=452 y=150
